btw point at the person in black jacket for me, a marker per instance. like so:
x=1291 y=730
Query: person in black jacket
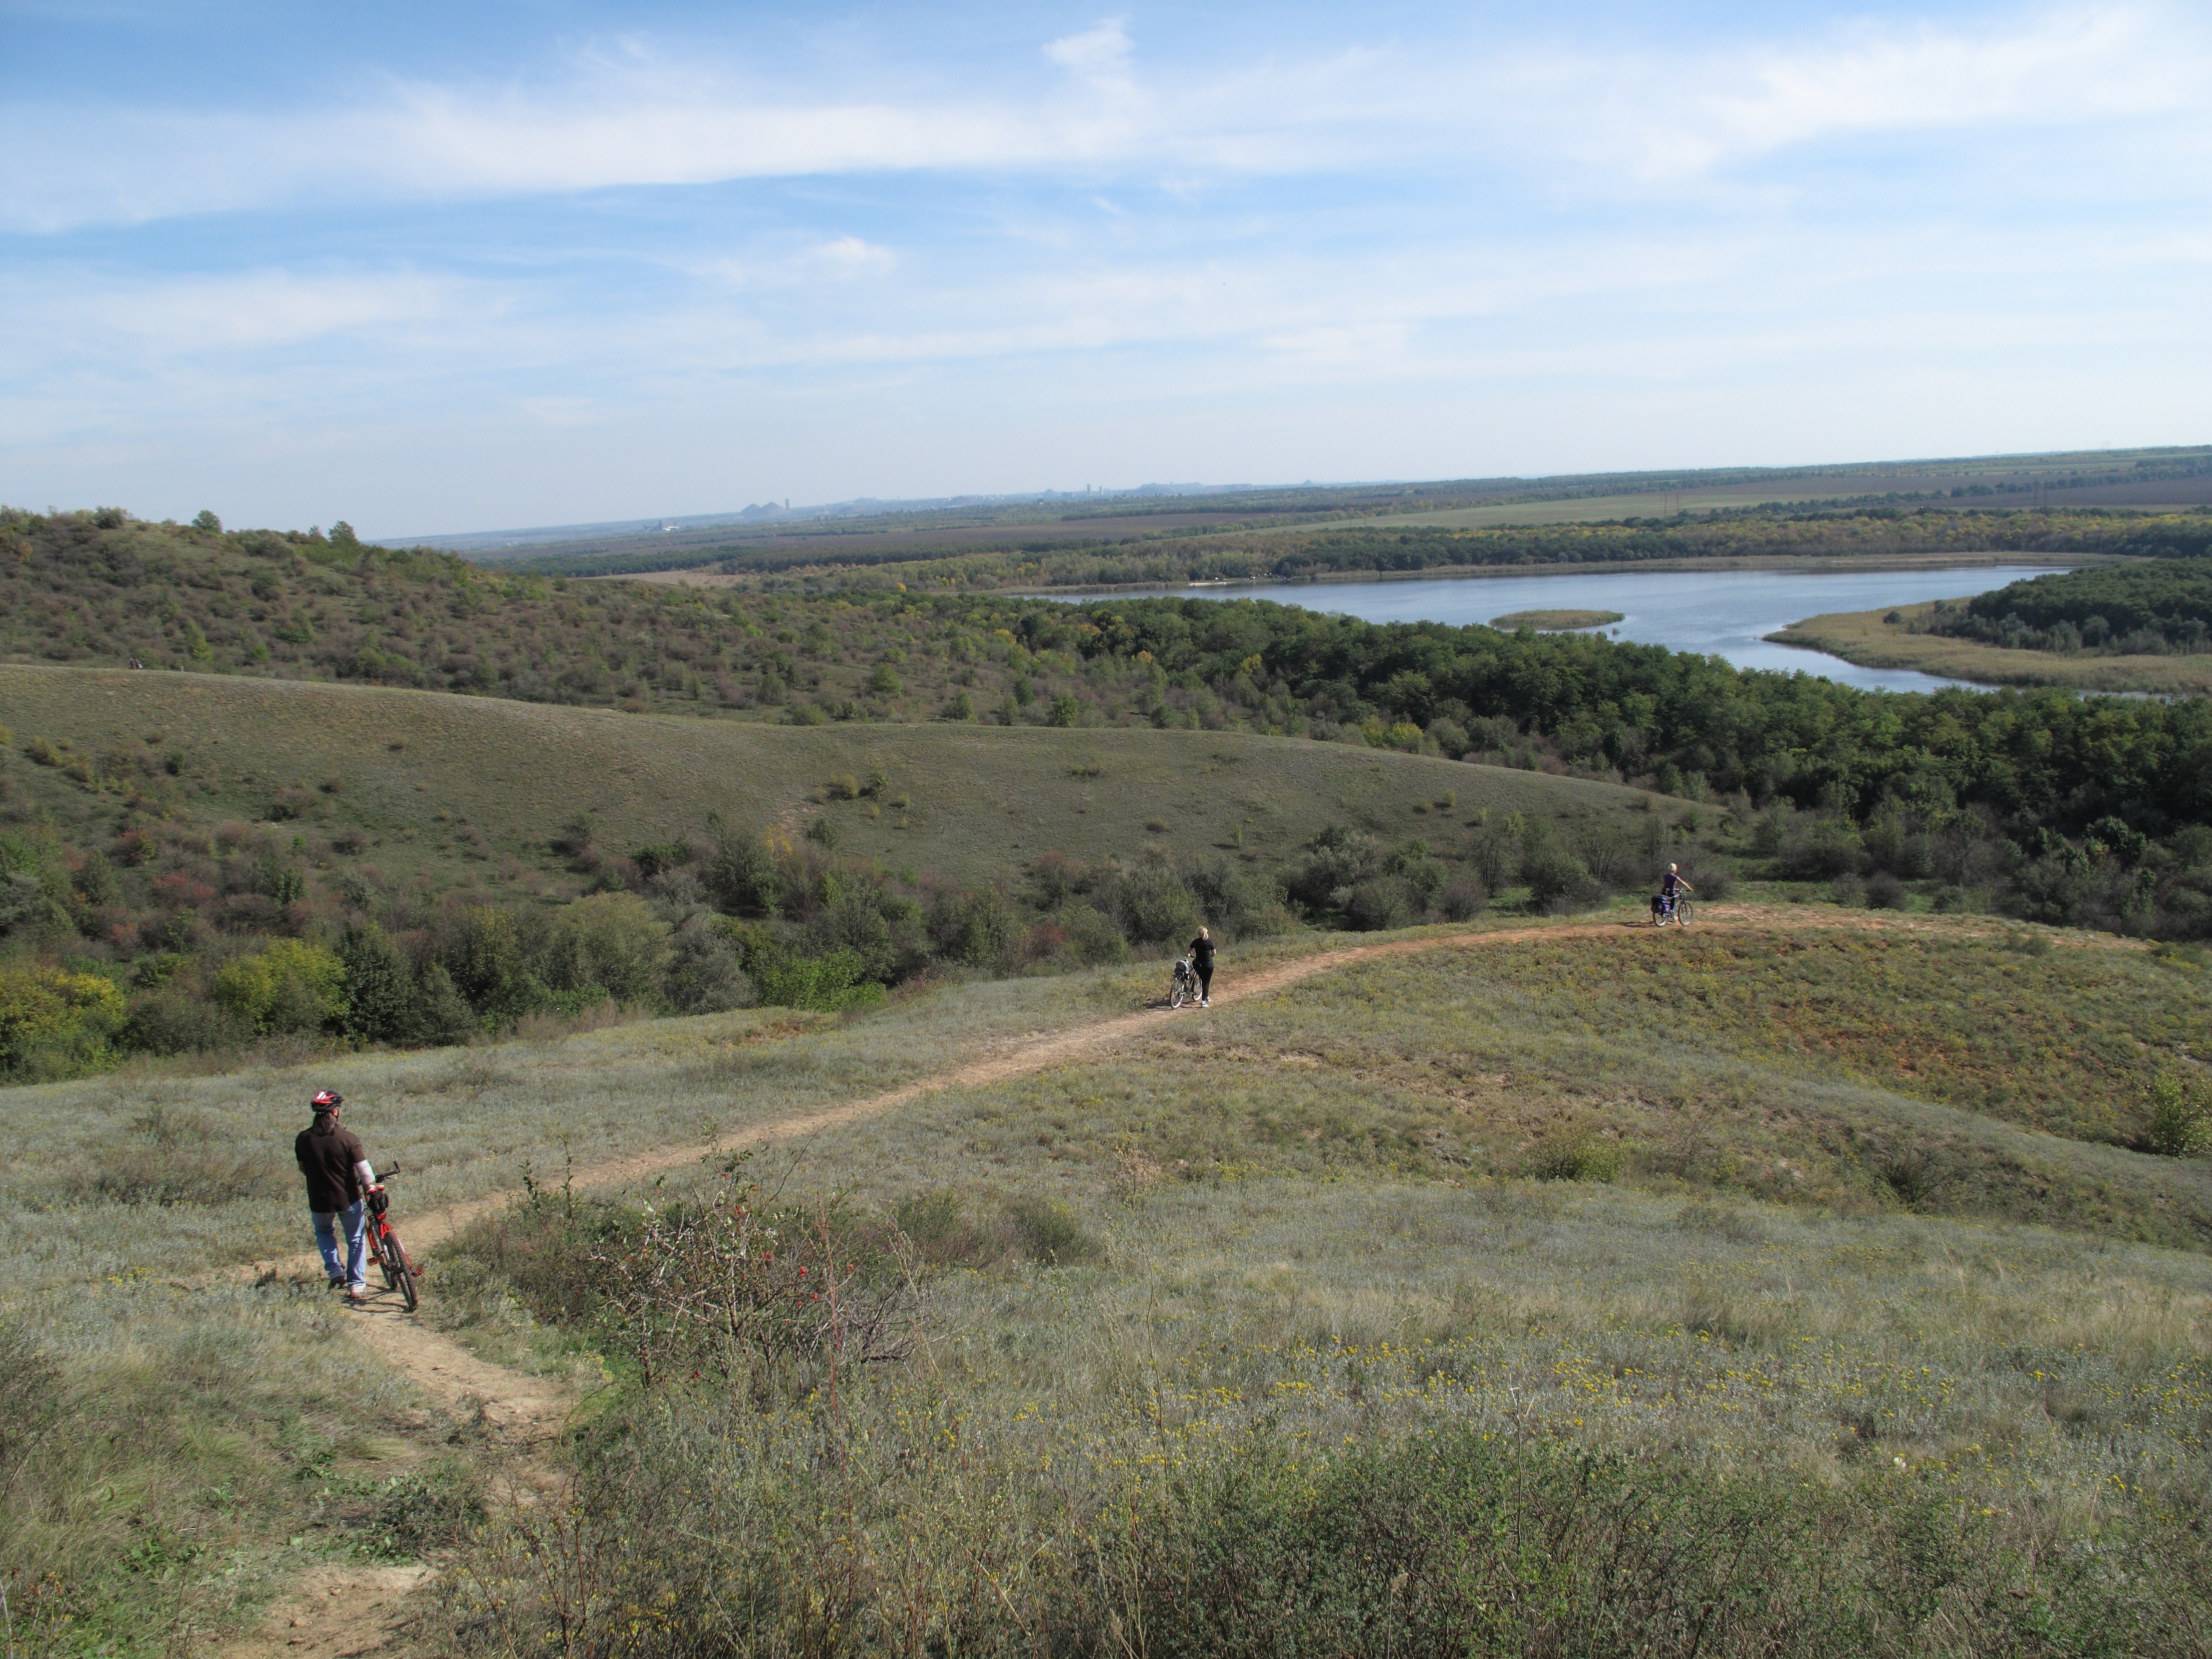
x=1201 y=958
x=338 y=1179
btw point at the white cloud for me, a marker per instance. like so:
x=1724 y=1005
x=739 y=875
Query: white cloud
x=251 y=311
x=1572 y=114
x=1100 y=55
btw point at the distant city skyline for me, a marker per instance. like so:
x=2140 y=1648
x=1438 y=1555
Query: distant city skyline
x=563 y=263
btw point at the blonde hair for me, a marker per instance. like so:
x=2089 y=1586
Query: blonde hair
x=1202 y=933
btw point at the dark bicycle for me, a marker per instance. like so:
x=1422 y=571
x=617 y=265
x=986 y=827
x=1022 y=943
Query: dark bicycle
x=1183 y=986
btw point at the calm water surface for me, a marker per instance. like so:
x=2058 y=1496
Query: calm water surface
x=1721 y=613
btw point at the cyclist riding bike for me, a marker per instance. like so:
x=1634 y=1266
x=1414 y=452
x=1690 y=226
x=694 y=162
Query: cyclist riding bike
x=1671 y=888
x=338 y=1178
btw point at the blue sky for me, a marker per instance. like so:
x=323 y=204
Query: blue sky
x=444 y=268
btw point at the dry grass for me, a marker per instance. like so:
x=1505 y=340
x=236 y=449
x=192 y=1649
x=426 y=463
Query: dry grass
x=1869 y=638
x=1272 y=1228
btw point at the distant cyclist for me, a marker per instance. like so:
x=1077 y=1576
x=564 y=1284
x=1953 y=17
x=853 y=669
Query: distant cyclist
x=1672 y=887
x=338 y=1179
x=1201 y=958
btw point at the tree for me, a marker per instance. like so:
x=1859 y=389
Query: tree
x=208 y=521
x=383 y=1003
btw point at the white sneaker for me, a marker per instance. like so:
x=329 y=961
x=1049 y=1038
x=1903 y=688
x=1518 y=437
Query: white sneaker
x=1205 y=1002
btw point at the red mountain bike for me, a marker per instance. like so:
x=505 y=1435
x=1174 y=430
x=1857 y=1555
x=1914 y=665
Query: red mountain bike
x=391 y=1254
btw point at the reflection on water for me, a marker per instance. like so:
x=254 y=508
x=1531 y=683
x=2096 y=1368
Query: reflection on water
x=1721 y=613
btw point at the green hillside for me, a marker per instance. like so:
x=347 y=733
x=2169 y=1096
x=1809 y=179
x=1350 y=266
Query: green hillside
x=201 y=863
x=426 y=781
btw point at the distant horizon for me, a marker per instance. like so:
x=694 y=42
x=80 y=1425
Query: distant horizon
x=640 y=523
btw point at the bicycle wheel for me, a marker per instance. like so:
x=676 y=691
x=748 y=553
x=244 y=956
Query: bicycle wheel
x=1178 y=993
x=400 y=1271
x=1682 y=913
x=387 y=1257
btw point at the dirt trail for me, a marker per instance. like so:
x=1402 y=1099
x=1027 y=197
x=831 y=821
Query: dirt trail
x=345 y=1612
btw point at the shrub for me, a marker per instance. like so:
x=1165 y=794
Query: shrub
x=1049 y=1231
x=1150 y=902
x=172 y=1021
x=1576 y=1158
x=1463 y=898
x=1093 y=935
x=613 y=941
x=977 y=928
x=1385 y=901
x=1884 y=891
x=292 y=985
x=826 y=984
x=54 y=1023
x=1553 y=873
x=704 y=976
x=2181 y=1116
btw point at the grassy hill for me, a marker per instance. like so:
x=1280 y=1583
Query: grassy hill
x=1788 y=1272
x=468 y=785
x=195 y=864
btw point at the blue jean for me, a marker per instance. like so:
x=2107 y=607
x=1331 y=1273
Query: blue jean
x=326 y=1239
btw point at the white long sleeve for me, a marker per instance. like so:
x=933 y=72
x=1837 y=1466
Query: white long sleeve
x=368 y=1176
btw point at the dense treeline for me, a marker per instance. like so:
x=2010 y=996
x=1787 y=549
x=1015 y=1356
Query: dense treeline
x=2082 y=808
x=2141 y=611
x=1302 y=555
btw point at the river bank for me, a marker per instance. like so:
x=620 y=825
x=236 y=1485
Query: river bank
x=1872 y=640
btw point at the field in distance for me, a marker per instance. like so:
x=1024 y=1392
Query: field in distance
x=1883 y=639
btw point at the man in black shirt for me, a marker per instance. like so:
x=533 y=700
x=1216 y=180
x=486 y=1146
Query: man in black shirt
x=338 y=1179
x=1201 y=958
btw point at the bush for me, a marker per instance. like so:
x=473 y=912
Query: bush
x=2181 y=1116
x=172 y=1021
x=1463 y=898
x=976 y=928
x=1884 y=891
x=1554 y=874
x=1578 y=1159
x=1386 y=902
x=1049 y=1231
x=825 y=984
x=704 y=976
x=615 y=943
x=292 y=985
x=1091 y=934
x=1150 y=902
x=56 y=1024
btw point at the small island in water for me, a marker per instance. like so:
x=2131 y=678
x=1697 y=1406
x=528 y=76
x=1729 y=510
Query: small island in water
x=1554 y=621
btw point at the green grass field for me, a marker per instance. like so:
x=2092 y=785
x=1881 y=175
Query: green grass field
x=1872 y=640
x=478 y=785
x=1826 y=1231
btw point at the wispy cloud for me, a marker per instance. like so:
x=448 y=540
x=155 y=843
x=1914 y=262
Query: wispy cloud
x=642 y=116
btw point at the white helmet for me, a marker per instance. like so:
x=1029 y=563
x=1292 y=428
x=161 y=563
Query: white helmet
x=1675 y=869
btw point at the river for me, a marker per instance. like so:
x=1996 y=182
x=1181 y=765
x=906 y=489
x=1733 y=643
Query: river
x=1721 y=613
